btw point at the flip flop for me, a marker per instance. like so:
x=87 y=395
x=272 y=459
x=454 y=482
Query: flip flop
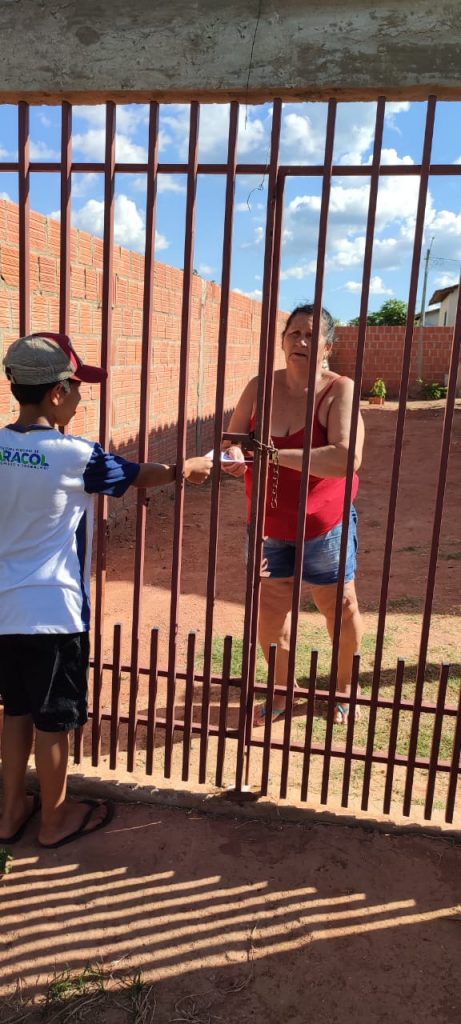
x=8 y=840
x=276 y=713
x=82 y=830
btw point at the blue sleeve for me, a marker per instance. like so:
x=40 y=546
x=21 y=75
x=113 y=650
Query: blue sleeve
x=108 y=474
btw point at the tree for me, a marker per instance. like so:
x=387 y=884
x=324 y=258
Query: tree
x=392 y=313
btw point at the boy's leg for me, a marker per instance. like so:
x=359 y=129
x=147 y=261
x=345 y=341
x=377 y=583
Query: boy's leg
x=60 y=816
x=16 y=747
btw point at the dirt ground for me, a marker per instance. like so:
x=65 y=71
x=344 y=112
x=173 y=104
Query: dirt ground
x=179 y=916
x=407 y=590
x=414 y=518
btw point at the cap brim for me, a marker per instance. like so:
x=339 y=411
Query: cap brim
x=90 y=374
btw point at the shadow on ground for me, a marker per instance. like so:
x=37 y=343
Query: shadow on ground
x=234 y=920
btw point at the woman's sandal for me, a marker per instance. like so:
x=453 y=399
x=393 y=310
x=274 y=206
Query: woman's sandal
x=262 y=714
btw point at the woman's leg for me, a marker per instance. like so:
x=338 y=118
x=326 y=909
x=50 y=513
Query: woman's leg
x=274 y=627
x=351 y=631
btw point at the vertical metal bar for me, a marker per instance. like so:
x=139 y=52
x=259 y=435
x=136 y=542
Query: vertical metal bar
x=393 y=735
x=432 y=569
x=355 y=412
x=143 y=442
x=263 y=462
x=115 y=702
x=268 y=722
x=152 y=701
x=454 y=770
x=65 y=222
x=309 y=724
x=182 y=429
x=24 y=218
x=223 y=704
x=307 y=439
x=264 y=395
x=436 y=736
x=188 y=705
x=78 y=745
x=218 y=428
x=104 y=421
x=398 y=443
x=350 y=731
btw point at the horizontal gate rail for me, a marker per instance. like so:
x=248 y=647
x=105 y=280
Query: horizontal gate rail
x=241 y=754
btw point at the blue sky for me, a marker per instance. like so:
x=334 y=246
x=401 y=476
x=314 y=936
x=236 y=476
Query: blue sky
x=303 y=139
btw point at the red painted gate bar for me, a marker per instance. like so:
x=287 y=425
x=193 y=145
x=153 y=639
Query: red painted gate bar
x=229 y=749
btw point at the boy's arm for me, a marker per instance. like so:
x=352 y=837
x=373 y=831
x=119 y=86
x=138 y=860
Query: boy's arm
x=156 y=474
x=110 y=474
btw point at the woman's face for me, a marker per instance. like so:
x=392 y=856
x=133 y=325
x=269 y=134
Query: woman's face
x=297 y=343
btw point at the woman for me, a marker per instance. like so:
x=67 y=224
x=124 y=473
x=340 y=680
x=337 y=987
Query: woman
x=330 y=443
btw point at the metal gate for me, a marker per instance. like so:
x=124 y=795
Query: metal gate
x=252 y=752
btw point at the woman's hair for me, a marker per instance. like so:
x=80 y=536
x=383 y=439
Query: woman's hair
x=308 y=310
x=32 y=394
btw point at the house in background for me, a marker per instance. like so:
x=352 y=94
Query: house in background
x=431 y=316
x=447 y=300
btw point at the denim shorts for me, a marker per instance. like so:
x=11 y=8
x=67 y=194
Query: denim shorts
x=321 y=556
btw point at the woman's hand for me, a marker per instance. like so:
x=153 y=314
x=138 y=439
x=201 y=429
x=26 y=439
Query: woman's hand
x=198 y=469
x=236 y=467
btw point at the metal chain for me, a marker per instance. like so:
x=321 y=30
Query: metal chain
x=273 y=454
x=275 y=477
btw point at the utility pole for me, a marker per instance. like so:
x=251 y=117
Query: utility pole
x=422 y=321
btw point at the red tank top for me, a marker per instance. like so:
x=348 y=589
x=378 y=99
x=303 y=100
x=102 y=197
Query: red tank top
x=325 y=495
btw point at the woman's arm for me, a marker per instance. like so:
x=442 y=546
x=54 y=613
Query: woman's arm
x=331 y=460
x=239 y=423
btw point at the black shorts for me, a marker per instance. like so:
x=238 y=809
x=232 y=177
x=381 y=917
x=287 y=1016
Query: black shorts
x=45 y=675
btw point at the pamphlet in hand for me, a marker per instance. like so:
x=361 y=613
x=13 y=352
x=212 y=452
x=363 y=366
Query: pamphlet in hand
x=225 y=457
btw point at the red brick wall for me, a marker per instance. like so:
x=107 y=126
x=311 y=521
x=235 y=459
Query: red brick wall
x=85 y=329
x=383 y=348
x=384 y=351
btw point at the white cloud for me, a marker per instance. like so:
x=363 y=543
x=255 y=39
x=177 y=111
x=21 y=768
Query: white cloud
x=165 y=183
x=299 y=272
x=203 y=268
x=257 y=239
x=377 y=286
x=242 y=208
x=41 y=151
x=128 y=227
x=92 y=145
x=446 y=280
x=4 y=195
x=82 y=183
x=255 y=294
x=390 y=156
x=397 y=107
x=128 y=118
x=253 y=130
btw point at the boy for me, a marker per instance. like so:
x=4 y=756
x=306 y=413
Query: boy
x=47 y=480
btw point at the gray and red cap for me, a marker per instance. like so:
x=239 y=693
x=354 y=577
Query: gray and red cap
x=46 y=358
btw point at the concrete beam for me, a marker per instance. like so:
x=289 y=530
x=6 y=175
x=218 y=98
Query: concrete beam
x=94 y=50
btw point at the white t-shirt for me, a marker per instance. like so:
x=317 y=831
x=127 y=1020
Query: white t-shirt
x=47 y=480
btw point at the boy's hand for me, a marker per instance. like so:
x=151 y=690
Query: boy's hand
x=198 y=469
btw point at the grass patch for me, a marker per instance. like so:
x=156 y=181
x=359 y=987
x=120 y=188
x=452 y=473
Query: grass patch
x=6 y=861
x=404 y=604
x=68 y=985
